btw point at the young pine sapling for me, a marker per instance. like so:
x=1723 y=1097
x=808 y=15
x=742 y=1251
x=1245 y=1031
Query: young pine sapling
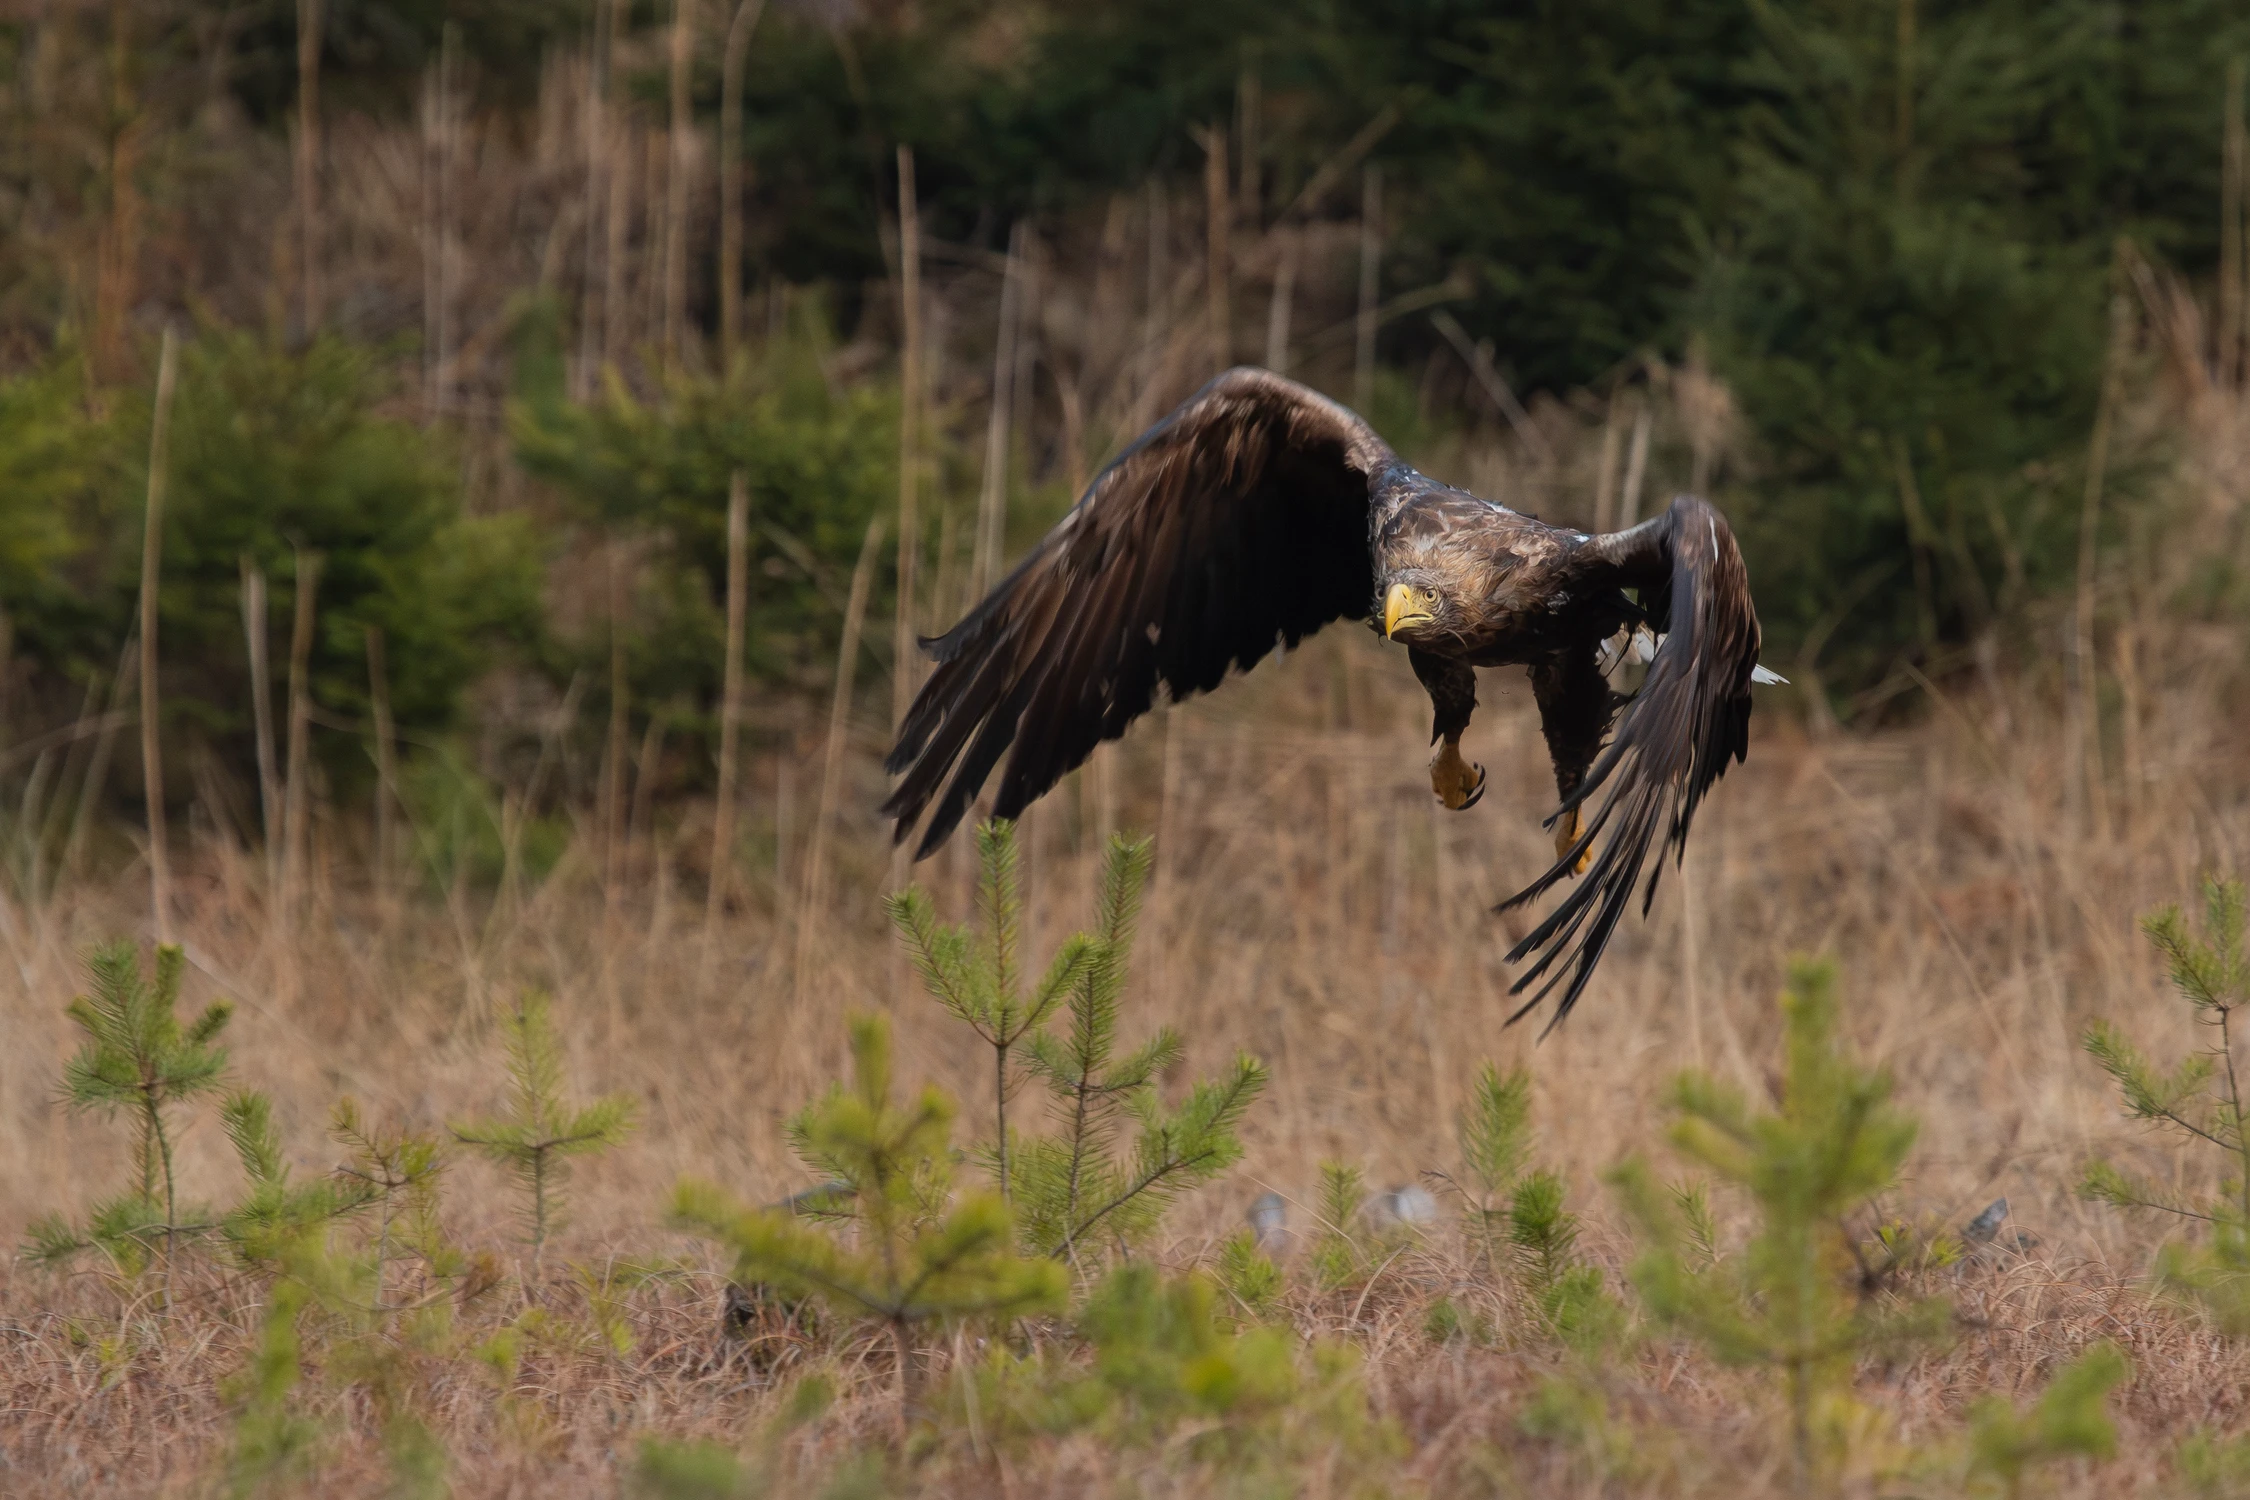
x=915 y=1254
x=1789 y=1302
x=979 y=978
x=395 y=1173
x=137 y=1058
x=2200 y=1100
x=1077 y=1183
x=1518 y=1219
x=541 y=1134
x=276 y=1210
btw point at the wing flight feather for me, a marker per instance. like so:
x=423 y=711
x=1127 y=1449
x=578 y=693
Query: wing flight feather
x=1238 y=523
x=1690 y=718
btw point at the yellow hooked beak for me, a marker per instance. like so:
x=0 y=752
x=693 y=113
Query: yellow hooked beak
x=1405 y=605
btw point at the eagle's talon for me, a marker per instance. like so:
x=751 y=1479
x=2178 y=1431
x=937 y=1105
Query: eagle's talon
x=1567 y=831
x=1458 y=784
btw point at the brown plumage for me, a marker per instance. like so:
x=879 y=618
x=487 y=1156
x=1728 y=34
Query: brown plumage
x=1258 y=512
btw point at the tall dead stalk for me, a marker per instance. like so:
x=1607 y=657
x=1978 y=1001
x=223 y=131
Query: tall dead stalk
x=909 y=434
x=1605 y=472
x=152 y=561
x=814 y=893
x=1218 y=212
x=254 y=629
x=745 y=21
x=296 y=800
x=730 y=701
x=2234 y=262
x=439 y=130
x=590 y=304
x=386 y=762
x=1636 y=463
x=682 y=140
x=1370 y=284
x=992 y=496
x=309 y=20
x=1281 y=305
x=612 y=810
x=2087 y=787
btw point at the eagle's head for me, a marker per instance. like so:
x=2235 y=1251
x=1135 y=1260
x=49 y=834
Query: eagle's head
x=1419 y=607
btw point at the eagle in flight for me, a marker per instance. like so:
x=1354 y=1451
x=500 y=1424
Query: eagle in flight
x=1258 y=512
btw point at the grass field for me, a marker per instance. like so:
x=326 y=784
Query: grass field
x=1312 y=906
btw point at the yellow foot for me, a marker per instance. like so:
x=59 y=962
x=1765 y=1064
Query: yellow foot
x=1457 y=783
x=1567 y=829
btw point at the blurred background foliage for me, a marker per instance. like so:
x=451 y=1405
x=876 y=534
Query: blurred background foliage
x=1895 y=234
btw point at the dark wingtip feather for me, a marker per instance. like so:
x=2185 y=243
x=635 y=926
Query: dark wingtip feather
x=1677 y=737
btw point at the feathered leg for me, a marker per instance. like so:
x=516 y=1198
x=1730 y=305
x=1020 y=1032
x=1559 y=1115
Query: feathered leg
x=1452 y=687
x=1576 y=709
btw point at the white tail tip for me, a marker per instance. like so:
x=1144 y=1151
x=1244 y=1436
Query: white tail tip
x=1765 y=678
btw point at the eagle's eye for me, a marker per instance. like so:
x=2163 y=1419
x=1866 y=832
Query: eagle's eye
x=1429 y=596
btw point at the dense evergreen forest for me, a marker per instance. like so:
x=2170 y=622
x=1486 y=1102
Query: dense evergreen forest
x=483 y=306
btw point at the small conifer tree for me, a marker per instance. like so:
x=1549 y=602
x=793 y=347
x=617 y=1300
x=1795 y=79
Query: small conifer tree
x=137 y=1058
x=1080 y=1181
x=2200 y=1101
x=1787 y=1302
x=912 y=1253
x=1249 y=1276
x=542 y=1133
x=979 y=978
x=1076 y=1183
x=275 y=1210
x=1519 y=1216
x=1338 y=1258
x=366 y=1349
x=396 y=1174
x=1494 y=1133
x=273 y=1443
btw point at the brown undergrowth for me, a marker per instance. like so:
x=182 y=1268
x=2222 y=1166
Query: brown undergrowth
x=1309 y=906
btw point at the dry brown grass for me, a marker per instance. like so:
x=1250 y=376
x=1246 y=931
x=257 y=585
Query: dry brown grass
x=1312 y=906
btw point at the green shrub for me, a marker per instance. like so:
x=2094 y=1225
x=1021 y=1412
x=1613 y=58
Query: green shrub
x=979 y=979
x=1341 y=1253
x=60 y=467
x=1789 y=1301
x=1166 y=1371
x=273 y=451
x=1249 y=1276
x=658 y=472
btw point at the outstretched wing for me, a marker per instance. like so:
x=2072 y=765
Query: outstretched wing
x=1691 y=716
x=1238 y=522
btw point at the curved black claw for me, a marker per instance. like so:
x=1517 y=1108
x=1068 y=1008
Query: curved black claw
x=1476 y=793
